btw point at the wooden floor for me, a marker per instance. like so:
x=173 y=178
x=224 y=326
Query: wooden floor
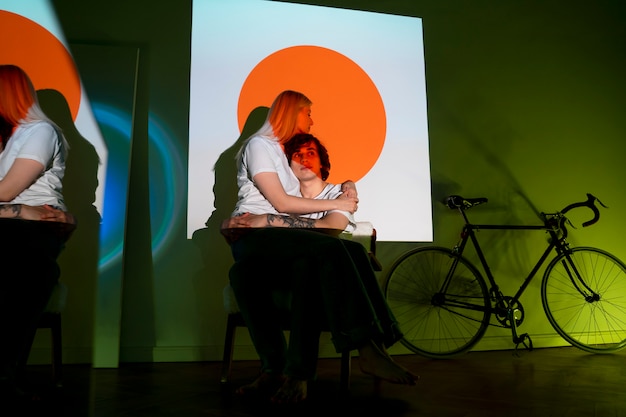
x=545 y=382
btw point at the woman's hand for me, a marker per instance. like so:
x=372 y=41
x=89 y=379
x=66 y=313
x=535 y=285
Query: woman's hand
x=52 y=214
x=237 y=221
x=347 y=203
x=350 y=193
x=259 y=220
x=349 y=189
x=233 y=228
x=245 y=220
x=38 y=213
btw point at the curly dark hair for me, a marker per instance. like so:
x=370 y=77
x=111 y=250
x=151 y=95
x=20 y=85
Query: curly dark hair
x=298 y=140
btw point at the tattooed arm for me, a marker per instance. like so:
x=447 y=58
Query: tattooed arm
x=41 y=213
x=276 y=220
x=11 y=211
x=330 y=221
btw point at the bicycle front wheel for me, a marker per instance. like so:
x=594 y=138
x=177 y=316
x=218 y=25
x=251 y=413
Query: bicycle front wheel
x=440 y=300
x=584 y=296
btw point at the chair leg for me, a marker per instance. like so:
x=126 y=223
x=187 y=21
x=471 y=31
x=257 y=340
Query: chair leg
x=50 y=321
x=57 y=349
x=229 y=345
x=344 y=384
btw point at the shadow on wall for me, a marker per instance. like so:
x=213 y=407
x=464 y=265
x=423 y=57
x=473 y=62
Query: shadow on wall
x=79 y=260
x=214 y=251
x=482 y=148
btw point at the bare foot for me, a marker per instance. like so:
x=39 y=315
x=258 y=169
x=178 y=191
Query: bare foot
x=292 y=391
x=373 y=361
x=265 y=384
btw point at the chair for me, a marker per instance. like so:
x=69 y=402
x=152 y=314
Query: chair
x=366 y=235
x=51 y=319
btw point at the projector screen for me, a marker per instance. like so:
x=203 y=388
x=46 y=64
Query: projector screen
x=364 y=73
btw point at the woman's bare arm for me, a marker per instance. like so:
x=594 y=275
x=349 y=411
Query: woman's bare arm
x=270 y=186
x=21 y=175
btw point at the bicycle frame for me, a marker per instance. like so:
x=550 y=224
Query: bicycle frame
x=506 y=307
x=468 y=233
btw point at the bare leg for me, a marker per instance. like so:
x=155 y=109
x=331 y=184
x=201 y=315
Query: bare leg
x=292 y=391
x=374 y=361
x=265 y=384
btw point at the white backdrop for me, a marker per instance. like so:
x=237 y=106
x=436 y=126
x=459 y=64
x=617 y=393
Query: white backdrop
x=229 y=38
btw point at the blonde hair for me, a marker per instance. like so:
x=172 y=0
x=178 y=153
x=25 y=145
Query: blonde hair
x=17 y=94
x=282 y=119
x=18 y=100
x=283 y=115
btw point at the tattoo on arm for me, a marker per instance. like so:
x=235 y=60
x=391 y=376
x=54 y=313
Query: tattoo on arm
x=290 y=221
x=10 y=210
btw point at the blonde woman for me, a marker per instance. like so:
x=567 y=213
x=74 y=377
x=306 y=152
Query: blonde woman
x=323 y=266
x=32 y=164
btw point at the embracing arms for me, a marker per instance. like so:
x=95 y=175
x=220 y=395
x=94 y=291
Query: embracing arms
x=330 y=221
x=269 y=185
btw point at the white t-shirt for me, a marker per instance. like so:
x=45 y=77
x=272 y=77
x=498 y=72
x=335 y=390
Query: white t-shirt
x=41 y=142
x=270 y=157
x=262 y=154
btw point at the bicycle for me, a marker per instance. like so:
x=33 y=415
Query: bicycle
x=444 y=305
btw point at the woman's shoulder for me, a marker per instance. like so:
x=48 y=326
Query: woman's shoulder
x=34 y=134
x=268 y=140
x=38 y=126
x=259 y=141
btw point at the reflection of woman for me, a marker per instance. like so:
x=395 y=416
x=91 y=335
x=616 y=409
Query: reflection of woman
x=267 y=185
x=32 y=164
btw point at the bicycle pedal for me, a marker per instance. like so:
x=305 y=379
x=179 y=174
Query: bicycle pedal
x=521 y=340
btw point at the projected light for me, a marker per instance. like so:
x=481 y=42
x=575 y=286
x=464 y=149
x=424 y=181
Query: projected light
x=166 y=184
x=364 y=73
x=165 y=171
x=41 y=51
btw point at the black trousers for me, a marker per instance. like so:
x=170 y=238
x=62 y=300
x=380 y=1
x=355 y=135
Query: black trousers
x=331 y=283
x=28 y=274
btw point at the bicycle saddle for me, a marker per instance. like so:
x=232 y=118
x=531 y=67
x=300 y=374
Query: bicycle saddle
x=456 y=201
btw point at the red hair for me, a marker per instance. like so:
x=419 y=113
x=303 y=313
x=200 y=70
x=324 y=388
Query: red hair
x=17 y=94
x=19 y=103
x=282 y=118
x=283 y=114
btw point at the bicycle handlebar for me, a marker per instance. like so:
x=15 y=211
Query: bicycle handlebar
x=456 y=201
x=590 y=203
x=462 y=203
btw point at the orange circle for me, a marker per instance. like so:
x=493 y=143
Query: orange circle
x=44 y=58
x=348 y=112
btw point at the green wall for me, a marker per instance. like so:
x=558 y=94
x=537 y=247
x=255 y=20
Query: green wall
x=526 y=105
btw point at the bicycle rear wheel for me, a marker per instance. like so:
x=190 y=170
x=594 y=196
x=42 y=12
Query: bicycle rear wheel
x=584 y=296
x=439 y=318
